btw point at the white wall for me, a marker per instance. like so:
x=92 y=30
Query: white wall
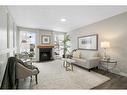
x=7 y=38
x=114 y=30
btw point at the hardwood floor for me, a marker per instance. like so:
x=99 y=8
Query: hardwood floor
x=116 y=81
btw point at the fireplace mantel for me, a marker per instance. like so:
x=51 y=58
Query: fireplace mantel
x=45 y=46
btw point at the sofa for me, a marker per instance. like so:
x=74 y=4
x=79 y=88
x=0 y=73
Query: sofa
x=86 y=59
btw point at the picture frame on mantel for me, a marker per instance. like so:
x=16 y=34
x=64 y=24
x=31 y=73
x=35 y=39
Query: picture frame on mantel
x=45 y=39
x=89 y=42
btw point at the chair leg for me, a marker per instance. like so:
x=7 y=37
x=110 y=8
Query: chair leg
x=36 y=79
x=17 y=83
x=97 y=67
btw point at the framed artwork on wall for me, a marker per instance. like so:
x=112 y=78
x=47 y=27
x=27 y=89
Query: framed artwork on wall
x=45 y=39
x=89 y=42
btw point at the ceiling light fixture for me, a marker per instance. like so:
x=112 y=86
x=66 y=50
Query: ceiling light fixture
x=63 y=20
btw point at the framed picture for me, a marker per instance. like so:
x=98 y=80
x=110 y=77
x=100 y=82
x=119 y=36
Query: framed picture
x=89 y=42
x=45 y=39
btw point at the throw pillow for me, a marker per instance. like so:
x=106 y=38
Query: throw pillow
x=76 y=54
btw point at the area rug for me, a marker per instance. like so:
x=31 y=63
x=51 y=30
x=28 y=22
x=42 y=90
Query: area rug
x=54 y=76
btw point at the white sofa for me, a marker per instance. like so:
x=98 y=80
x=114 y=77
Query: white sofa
x=86 y=59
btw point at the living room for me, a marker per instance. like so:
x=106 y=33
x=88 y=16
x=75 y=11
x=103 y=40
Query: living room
x=68 y=52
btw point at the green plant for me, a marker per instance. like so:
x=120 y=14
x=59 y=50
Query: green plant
x=65 y=44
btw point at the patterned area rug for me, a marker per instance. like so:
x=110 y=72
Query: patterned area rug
x=54 y=76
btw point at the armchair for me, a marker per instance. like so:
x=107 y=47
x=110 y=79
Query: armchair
x=23 y=72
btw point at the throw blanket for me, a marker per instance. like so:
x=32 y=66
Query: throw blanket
x=9 y=79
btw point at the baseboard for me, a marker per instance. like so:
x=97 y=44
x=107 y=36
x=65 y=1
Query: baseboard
x=120 y=73
x=123 y=74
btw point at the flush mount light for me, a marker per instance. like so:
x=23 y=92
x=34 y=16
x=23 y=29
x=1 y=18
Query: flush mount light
x=63 y=20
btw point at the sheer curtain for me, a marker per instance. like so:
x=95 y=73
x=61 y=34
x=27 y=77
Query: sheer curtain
x=27 y=38
x=58 y=42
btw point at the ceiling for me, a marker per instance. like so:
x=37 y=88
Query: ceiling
x=48 y=17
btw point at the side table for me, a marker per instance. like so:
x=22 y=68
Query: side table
x=110 y=63
x=68 y=64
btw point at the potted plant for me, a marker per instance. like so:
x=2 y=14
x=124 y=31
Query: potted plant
x=65 y=44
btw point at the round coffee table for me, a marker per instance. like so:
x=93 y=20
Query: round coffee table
x=68 y=64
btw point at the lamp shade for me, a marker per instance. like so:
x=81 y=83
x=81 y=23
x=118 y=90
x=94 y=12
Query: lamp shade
x=105 y=44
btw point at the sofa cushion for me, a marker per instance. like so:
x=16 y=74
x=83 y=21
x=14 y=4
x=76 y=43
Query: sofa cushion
x=79 y=60
x=85 y=54
x=77 y=54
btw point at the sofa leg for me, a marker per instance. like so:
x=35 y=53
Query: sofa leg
x=89 y=70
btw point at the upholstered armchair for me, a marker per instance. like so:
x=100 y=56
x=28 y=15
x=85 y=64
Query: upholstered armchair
x=24 y=71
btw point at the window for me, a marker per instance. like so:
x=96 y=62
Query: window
x=58 y=42
x=27 y=38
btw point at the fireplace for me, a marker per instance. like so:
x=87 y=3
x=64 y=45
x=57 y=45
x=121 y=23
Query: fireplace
x=45 y=53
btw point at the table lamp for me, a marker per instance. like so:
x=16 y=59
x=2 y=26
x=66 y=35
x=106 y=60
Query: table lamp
x=105 y=45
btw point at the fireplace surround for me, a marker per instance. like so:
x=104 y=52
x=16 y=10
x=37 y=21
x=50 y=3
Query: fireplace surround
x=45 y=52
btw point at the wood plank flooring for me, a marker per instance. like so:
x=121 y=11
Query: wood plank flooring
x=116 y=81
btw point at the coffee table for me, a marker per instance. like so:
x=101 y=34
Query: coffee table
x=68 y=64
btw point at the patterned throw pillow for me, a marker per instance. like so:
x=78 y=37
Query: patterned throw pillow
x=77 y=54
